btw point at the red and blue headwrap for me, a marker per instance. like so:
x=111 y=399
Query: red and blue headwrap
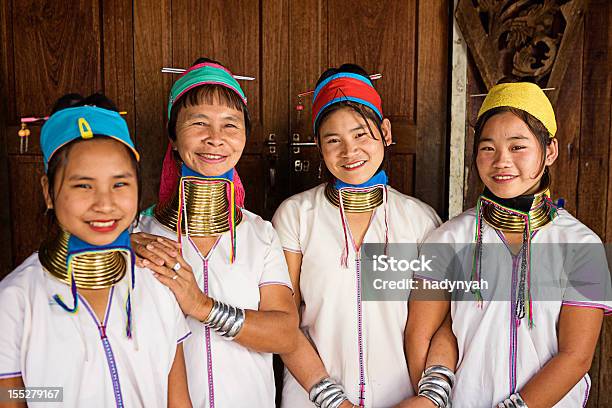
x=342 y=87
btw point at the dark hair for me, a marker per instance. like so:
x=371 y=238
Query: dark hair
x=60 y=157
x=536 y=127
x=208 y=94
x=364 y=111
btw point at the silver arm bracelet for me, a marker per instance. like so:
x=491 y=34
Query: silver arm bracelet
x=223 y=309
x=318 y=387
x=440 y=369
x=229 y=322
x=518 y=400
x=437 y=390
x=239 y=322
x=433 y=397
x=213 y=313
x=430 y=379
x=339 y=399
x=226 y=320
x=513 y=401
x=225 y=315
x=327 y=395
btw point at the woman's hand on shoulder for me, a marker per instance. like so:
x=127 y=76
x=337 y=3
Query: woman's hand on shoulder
x=178 y=276
x=153 y=249
x=162 y=256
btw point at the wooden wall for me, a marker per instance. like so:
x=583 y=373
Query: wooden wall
x=582 y=174
x=49 y=48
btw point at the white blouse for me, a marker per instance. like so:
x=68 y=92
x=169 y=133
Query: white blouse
x=92 y=360
x=499 y=354
x=224 y=373
x=358 y=341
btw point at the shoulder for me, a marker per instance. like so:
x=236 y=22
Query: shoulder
x=420 y=216
x=304 y=200
x=152 y=287
x=409 y=203
x=301 y=203
x=254 y=225
x=147 y=223
x=567 y=228
x=459 y=229
x=24 y=278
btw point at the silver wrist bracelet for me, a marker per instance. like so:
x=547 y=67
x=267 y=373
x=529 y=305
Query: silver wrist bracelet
x=327 y=394
x=435 y=388
x=513 y=401
x=225 y=319
x=441 y=370
x=433 y=397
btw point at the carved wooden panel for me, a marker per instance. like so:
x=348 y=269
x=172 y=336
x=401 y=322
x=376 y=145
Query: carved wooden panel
x=521 y=38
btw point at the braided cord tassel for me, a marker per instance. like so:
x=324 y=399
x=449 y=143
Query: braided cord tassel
x=385 y=205
x=128 y=303
x=181 y=210
x=73 y=289
x=232 y=221
x=477 y=257
x=528 y=300
x=344 y=256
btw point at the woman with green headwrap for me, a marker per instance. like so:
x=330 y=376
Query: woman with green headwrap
x=227 y=270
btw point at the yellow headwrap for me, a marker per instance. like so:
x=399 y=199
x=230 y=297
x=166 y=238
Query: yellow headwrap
x=525 y=96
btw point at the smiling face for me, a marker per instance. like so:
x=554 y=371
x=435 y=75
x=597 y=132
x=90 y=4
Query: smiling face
x=509 y=156
x=350 y=152
x=210 y=138
x=95 y=191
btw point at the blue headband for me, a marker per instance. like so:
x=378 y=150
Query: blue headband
x=82 y=122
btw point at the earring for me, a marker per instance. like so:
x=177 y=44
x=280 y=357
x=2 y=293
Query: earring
x=320 y=169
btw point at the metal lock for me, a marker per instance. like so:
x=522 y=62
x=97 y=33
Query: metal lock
x=271 y=143
x=297 y=166
x=296 y=138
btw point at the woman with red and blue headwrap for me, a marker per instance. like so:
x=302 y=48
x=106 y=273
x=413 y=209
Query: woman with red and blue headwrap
x=77 y=315
x=350 y=352
x=227 y=270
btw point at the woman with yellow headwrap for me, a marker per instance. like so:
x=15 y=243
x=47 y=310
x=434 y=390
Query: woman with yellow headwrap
x=527 y=333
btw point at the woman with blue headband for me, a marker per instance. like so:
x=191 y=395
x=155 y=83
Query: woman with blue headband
x=527 y=332
x=77 y=315
x=350 y=351
x=227 y=270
